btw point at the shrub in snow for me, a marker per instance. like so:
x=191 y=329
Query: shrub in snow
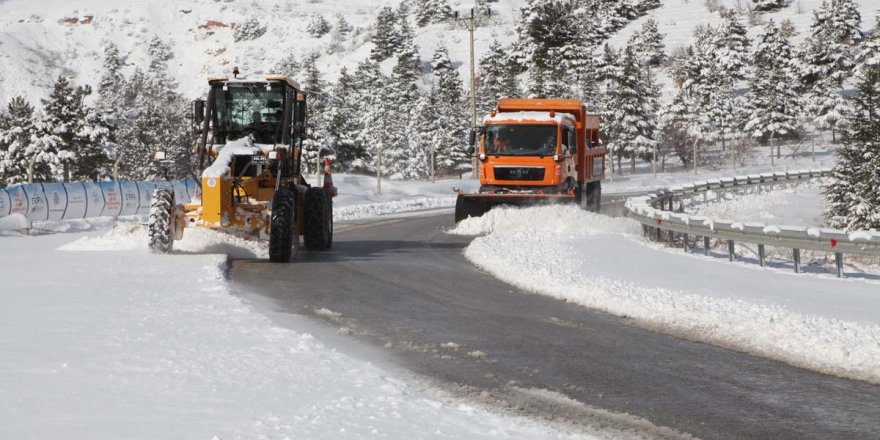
x=248 y=30
x=768 y=5
x=317 y=26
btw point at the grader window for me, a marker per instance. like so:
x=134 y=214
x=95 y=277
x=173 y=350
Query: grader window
x=249 y=109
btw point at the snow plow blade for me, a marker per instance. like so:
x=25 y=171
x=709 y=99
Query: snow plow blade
x=475 y=205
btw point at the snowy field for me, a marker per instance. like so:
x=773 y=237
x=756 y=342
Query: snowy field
x=812 y=321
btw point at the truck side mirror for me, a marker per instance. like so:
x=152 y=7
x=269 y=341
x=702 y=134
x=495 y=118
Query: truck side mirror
x=470 y=150
x=473 y=138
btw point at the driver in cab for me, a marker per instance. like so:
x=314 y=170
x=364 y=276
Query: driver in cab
x=261 y=130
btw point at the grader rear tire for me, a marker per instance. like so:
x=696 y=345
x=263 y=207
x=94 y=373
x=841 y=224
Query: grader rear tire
x=162 y=221
x=318 y=227
x=283 y=241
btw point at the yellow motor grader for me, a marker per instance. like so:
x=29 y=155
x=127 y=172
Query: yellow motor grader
x=249 y=145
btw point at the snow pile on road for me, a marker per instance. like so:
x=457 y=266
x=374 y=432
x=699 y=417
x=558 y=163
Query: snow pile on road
x=124 y=343
x=365 y=210
x=811 y=321
x=133 y=236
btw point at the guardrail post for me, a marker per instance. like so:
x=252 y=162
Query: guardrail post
x=762 y=256
x=706 y=246
x=838 y=262
x=671 y=236
x=797 y=260
x=730 y=251
x=687 y=245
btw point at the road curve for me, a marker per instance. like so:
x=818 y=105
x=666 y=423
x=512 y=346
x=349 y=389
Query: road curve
x=403 y=284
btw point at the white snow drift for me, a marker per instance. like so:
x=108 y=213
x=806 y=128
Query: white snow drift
x=812 y=321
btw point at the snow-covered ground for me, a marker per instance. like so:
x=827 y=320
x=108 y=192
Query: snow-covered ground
x=797 y=205
x=814 y=321
x=358 y=197
x=100 y=338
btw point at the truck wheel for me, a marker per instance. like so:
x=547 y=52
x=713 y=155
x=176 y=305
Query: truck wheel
x=283 y=240
x=318 y=234
x=162 y=221
x=596 y=197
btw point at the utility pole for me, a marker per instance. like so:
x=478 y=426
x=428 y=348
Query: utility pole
x=470 y=22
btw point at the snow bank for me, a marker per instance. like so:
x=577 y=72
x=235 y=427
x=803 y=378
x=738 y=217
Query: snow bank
x=810 y=321
x=14 y=222
x=366 y=210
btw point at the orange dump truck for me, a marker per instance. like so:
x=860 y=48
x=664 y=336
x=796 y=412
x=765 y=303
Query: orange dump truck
x=536 y=151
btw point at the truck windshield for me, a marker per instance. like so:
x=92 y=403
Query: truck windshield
x=249 y=108
x=521 y=140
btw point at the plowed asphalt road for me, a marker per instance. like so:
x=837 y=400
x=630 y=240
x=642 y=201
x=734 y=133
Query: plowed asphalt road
x=402 y=285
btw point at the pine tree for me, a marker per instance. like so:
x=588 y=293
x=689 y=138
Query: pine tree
x=317 y=138
x=450 y=100
x=343 y=27
x=828 y=50
x=288 y=65
x=157 y=121
x=496 y=78
x=772 y=111
x=648 y=43
x=869 y=52
x=403 y=94
x=432 y=11
x=343 y=123
x=768 y=5
x=630 y=126
x=386 y=37
x=317 y=26
x=852 y=197
x=731 y=46
x=18 y=147
x=370 y=85
x=250 y=29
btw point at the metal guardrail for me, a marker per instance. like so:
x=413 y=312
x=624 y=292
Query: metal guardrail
x=657 y=213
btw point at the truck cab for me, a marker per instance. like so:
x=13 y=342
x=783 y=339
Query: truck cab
x=534 y=151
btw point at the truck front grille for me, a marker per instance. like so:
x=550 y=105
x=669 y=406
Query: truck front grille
x=519 y=173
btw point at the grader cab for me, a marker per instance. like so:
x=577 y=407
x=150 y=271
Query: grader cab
x=249 y=145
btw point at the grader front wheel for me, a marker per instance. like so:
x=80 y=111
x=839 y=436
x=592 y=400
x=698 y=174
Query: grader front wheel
x=318 y=227
x=283 y=240
x=162 y=221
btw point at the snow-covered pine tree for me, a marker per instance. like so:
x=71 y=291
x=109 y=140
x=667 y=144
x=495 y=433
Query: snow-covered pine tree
x=317 y=26
x=343 y=123
x=342 y=27
x=249 y=29
x=731 y=47
x=17 y=147
x=402 y=155
x=550 y=44
x=853 y=198
x=869 y=51
x=630 y=125
x=386 y=35
x=432 y=11
x=496 y=78
x=828 y=50
x=450 y=101
x=772 y=105
x=158 y=122
x=648 y=43
x=288 y=65
x=826 y=106
x=317 y=137
x=370 y=86
x=768 y=5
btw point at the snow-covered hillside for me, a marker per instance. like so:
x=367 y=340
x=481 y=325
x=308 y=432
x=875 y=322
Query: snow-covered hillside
x=40 y=39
